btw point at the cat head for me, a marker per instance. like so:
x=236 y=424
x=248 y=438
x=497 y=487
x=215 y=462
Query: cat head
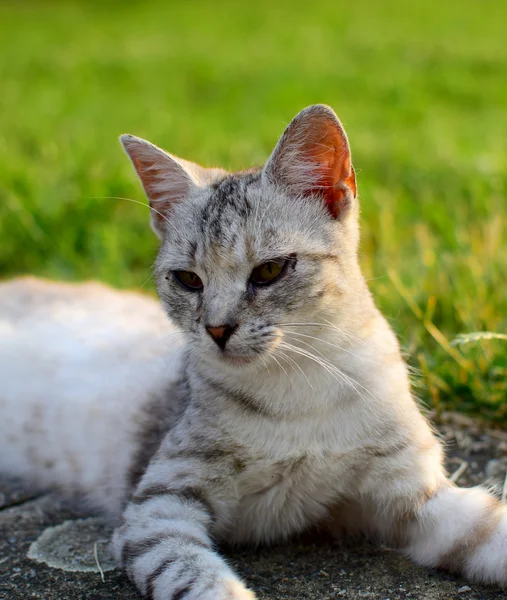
x=246 y=256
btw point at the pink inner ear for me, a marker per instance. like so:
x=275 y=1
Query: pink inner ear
x=333 y=173
x=151 y=176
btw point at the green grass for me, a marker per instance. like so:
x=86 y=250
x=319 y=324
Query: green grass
x=420 y=87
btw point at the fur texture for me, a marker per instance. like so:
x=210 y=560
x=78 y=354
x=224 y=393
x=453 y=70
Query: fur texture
x=303 y=417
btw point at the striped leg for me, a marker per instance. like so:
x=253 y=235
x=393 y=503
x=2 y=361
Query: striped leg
x=164 y=543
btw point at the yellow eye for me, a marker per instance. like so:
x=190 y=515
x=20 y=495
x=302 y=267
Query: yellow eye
x=188 y=280
x=268 y=272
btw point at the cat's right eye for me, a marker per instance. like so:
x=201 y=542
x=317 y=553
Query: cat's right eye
x=268 y=272
x=188 y=280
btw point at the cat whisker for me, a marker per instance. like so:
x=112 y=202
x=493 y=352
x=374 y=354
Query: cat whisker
x=366 y=359
x=342 y=373
x=345 y=333
x=332 y=369
x=148 y=278
x=265 y=363
x=293 y=364
x=319 y=354
x=280 y=365
x=135 y=202
x=351 y=381
x=178 y=332
x=171 y=337
x=328 y=325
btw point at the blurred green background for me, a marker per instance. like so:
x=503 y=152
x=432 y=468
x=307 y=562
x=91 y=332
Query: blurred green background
x=421 y=88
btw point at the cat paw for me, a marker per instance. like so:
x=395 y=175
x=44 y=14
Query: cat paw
x=228 y=589
x=237 y=591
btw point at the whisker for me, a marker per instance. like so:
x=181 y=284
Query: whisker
x=281 y=367
x=265 y=363
x=321 y=357
x=175 y=335
x=169 y=337
x=148 y=278
x=326 y=326
x=135 y=202
x=331 y=367
x=334 y=346
x=345 y=333
x=294 y=365
x=296 y=350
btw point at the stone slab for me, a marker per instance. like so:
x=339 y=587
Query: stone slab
x=310 y=570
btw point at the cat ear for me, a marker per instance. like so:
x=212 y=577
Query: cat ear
x=166 y=179
x=313 y=158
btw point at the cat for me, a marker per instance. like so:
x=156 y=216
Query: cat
x=273 y=400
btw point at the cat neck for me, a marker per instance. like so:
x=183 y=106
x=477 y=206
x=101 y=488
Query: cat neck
x=325 y=367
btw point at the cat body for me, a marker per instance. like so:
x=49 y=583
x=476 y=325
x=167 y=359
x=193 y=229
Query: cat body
x=277 y=402
x=78 y=364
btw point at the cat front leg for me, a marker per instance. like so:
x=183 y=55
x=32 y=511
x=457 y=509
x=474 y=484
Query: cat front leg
x=463 y=531
x=413 y=506
x=165 y=542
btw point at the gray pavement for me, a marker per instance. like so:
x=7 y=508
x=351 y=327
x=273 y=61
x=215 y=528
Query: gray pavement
x=48 y=552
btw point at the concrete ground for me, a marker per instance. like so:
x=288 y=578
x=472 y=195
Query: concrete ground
x=50 y=553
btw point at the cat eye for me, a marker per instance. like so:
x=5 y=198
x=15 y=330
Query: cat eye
x=268 y=272
x=188 y=280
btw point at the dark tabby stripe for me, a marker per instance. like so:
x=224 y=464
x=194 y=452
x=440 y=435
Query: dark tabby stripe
x=154 y=421
x=248 y=403
x=133 y=550
x=378 y=452
x=178 y=594
x=203 y=450
x=152 y=491
x=154 y=575
x=187 y=493
x=182 y=592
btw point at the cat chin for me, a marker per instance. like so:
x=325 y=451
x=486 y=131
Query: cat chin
x=234 y=361
x=237 y=361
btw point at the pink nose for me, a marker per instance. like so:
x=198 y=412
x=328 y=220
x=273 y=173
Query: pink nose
x=216 y=332
x=221 y=334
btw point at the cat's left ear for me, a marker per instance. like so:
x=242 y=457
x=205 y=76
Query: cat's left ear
x=167 y=179
x=312 y=158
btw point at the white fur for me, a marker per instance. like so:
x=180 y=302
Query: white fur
x=77 y=363
x=489 y=562
x=320 y=420
x=444 y=519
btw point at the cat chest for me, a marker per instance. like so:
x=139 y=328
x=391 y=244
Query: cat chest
x=277 y=499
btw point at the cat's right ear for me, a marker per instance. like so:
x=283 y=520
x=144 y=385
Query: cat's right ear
x=166 y=179
x=312 y=159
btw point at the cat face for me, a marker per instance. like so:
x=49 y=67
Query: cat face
x=246 y=256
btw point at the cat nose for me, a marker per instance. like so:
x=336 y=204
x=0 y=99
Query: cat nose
x=221 y=334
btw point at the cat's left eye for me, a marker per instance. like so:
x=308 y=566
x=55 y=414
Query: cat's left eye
x=188 y=280
x=268 y=272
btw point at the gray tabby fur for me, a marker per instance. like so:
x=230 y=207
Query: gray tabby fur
x=305 y=419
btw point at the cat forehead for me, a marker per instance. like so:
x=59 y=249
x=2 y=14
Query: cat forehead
x=230 y=203
x=241 y=217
